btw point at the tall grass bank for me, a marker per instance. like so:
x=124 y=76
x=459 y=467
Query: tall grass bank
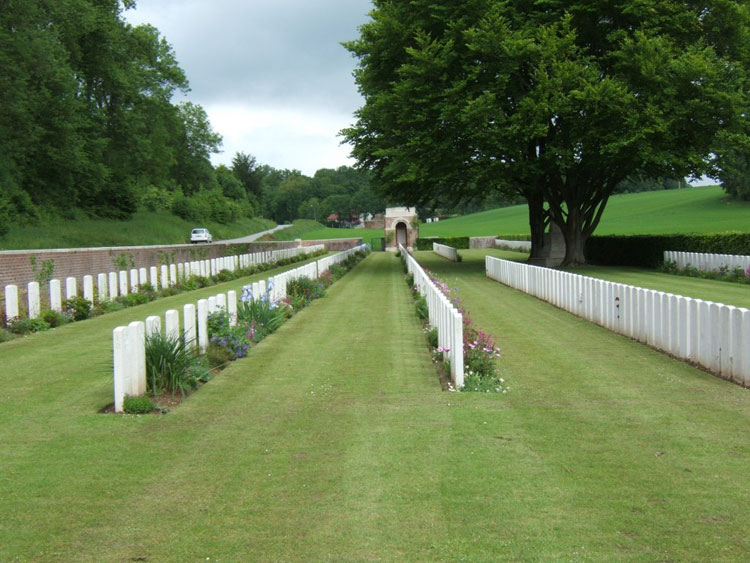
x=712 y=335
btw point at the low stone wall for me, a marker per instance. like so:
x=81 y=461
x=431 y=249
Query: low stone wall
x=482 y=242
x=445 y=251
x=16 y=265
x=334 y=244
x=515 y=245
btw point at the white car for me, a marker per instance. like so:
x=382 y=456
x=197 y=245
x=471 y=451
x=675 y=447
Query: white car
x=200 y=235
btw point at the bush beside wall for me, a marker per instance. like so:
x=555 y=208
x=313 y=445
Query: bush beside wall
x=455 y=242
x=647 y=251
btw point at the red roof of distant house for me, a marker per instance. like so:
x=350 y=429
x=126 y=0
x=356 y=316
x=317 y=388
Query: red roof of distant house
x=333 y=217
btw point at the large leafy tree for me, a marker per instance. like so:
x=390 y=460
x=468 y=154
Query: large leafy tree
x=87 y=117
x=556 y=101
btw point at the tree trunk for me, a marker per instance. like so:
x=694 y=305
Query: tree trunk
x=575 y=241
x=536 y=223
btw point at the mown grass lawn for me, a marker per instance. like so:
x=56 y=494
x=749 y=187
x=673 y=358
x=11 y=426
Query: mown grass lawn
x=333 y=441
x=604 y=449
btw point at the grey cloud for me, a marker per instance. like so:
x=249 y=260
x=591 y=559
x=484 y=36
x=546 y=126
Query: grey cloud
x=285 y=52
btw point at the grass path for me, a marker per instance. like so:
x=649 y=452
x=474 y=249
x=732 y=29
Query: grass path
x=333 y=442
x=318 y=445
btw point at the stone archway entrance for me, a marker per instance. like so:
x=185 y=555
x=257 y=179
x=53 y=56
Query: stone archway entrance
x=401 y=235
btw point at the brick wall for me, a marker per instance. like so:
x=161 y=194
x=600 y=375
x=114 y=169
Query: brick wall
x=16 y=265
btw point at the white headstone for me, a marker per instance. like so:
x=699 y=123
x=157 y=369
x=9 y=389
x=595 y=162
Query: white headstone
x=55 y=295
x=172 y=324
x=137 y=349
x=124 y=288
x=189 y=324
x=101 y=287
x=121 y=367
x=202 y=325
x=33 y=295
x=112 y=278
x=153 y=325
x=11 y=302
x=88 y=288
x=232 y=307
x=134 y=280
x=71 y=288
x=164 y=277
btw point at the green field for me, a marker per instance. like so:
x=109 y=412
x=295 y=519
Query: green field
x=692 y=210
x=312 y=230
x=334 y=441
x=145 y=228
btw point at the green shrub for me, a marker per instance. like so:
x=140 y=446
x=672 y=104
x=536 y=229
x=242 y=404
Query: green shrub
x=133 y=299
x=218 y=356
x=647 y=251
x=55 y=319
x=137 y=405
x=455 y=242
x=224 y=276
x=432 y=338
x=262 y=315
x=305 y=289
x=168 y=291
x=420 y=303
x=194 y=282
x=26 y=326
x=737 y=275
x=108 y=307
x=235 y=339
x=6 y=335
x=79 y=307
x=172 y=365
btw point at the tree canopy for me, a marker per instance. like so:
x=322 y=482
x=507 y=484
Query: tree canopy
x=88 y=120
x=559 y=102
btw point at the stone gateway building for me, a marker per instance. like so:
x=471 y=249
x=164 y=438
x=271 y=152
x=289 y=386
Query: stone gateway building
x=401 y=227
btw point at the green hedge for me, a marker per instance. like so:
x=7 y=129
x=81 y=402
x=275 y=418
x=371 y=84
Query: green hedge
x=455 y=242
x=647 y=251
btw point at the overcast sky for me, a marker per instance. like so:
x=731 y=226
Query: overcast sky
x=271 y=74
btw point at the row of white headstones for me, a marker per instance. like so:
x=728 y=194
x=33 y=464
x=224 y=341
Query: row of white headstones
x=129 y=342
x=109 y=286
x=713 y=335
x=443 y=316
x=708 y=262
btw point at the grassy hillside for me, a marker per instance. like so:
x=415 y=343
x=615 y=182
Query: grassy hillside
x=312 y=230
x=146 y=227
x=693 y=210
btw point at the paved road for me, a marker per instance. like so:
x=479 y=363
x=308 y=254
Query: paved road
x=256 y=236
